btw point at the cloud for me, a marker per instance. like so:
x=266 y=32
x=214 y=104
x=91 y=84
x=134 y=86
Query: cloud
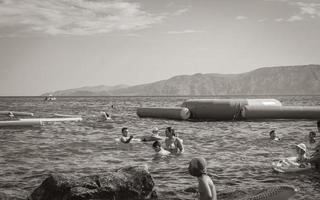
x=185 y=31
x=279 y=20
x=180 y=12
x=241 y=17
x=295 y=18
x=263 y=20
x=73 y=17
x=310 y=9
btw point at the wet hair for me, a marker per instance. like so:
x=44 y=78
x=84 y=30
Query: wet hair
x=271 y=132
x=171 y=130
x=312 y=133
x=123 y=129
x=156 y=144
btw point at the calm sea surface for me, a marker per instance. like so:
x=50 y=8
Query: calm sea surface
x=239 y=153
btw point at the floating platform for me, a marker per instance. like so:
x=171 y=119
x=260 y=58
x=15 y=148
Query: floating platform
x=223 y=109
x=280 y=112
x=164 y=113
x=19 y=123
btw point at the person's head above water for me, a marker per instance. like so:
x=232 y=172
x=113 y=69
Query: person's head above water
x=124 y=131
x=301 y=148
x=312 y=134
x=156 y=146
x=197 y=167
x=155 y=130
x=272 y=134
x=170 y=132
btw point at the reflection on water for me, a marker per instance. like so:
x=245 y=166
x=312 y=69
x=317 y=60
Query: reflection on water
x=239 y=154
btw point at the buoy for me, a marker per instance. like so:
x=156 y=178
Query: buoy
x=280 y=112
x=164 y=113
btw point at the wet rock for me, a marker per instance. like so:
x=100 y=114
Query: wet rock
x=128 y=183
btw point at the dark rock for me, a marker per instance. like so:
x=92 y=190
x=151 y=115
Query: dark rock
x=128 y=183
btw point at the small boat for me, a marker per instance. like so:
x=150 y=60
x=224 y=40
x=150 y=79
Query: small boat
x=50 y=98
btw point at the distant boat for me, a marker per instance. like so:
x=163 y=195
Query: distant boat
x=50 y=98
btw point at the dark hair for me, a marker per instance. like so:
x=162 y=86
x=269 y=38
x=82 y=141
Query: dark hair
x=312 y=133
x=156 y=144
x=273 y=131
x=171 y=130
x=123 y=129
x=318 y=123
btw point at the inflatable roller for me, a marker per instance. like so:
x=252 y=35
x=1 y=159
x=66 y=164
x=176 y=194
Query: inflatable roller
x=52 y=119
x=165 y=113
x=223 y=109
x=16 y=113
x=20 y=123
x=281 y=112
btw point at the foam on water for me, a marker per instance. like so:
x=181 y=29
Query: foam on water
x=239 y=154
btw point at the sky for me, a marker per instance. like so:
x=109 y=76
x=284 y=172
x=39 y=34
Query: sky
x=49 y=45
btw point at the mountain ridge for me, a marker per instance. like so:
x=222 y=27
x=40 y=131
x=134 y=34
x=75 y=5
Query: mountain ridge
x=282 y=80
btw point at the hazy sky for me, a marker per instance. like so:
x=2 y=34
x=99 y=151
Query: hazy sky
x=48 y=45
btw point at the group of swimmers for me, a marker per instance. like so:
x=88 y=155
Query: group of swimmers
x=198 y=166
x=173 y=144
x=301 y=149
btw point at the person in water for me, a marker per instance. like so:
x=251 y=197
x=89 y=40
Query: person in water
x=312 y=136
x=301 y=153
x=11 y=115
x=314 y=159
x=159 y=150
x=173 y=143
x=273 y=136
x=198 y=168
x=153 y=137
x=105 y=116
x=125 y=138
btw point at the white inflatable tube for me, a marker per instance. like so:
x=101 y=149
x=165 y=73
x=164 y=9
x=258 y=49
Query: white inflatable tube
x=164 y=113
x=289 y=165
x=16 y=113
x=19 y=123
x=281 y=112
x=223 y=109
x=52 y=119
x=63 y=115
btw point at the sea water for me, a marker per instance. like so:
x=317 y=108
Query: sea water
x=238 y=153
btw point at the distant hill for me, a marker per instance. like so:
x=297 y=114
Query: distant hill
x=287 y=80
x=100 y=90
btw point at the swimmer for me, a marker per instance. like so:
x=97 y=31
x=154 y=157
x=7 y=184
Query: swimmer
x=273 y=136
x=173 y=143
x=154 y=136
x=124 y=138
x=314 y=159
x=11 y=115
x=301 y=153
x=105 y=116
x=159 y=150
x=312 y=136
x=198 y=168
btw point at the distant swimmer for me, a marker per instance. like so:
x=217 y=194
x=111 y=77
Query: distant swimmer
x=273 y=136
x=153 y=137
x=159 y=150
x=105 y=116
x=198 y=168
x=11 y=115
x=312 y=137
x=125 y=138
x=173 y=143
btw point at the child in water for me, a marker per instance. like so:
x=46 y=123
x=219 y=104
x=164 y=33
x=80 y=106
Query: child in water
x=273 y=136
x=124 y=138
x=153 y=137
x=301 y=153
x=159 y=150
x=198 y=168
